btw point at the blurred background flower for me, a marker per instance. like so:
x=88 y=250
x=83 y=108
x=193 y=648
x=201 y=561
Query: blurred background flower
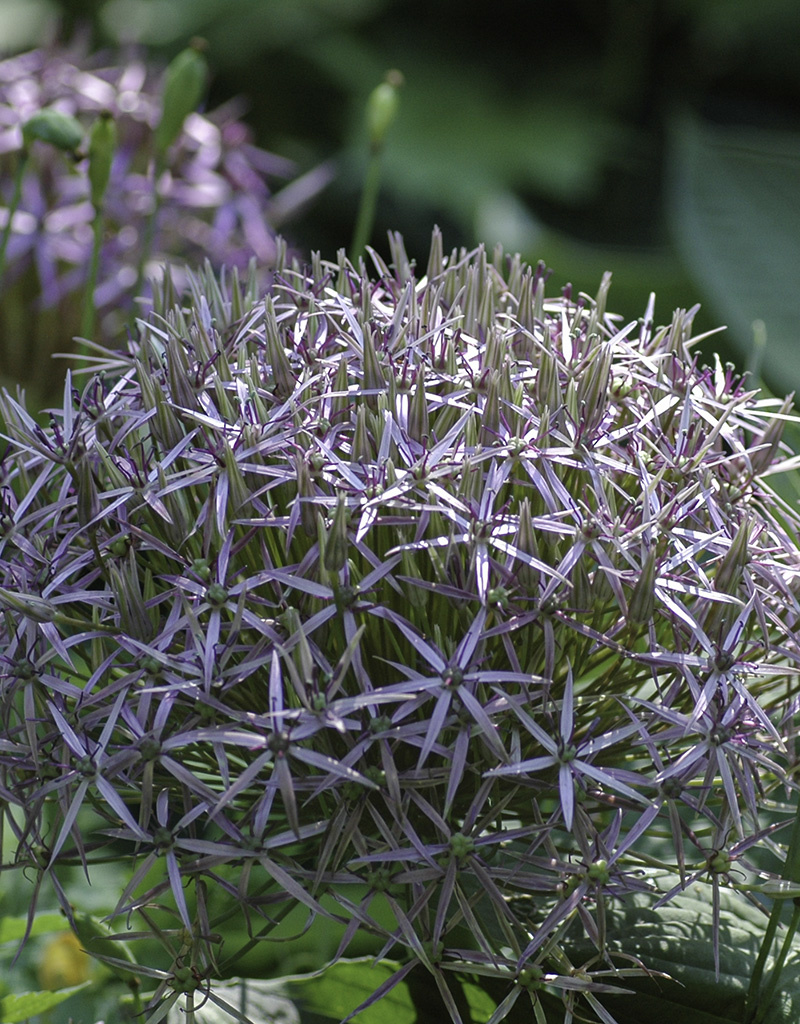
x=214 y=201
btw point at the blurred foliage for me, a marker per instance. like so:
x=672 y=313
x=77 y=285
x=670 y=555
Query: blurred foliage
x=655 y=139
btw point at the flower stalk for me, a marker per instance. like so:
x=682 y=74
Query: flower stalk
x=382 y=107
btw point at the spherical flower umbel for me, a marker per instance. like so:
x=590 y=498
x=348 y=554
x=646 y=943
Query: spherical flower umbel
x=455 y=604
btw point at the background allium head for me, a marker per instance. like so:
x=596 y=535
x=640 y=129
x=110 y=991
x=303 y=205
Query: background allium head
x=214 y=199
x=421 y=602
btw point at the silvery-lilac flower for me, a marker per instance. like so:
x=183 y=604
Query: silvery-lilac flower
x=215 y=202
x=418 y=601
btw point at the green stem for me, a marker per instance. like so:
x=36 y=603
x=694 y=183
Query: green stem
x=765 y=996
x=12 y=206
x=369 y=204
x=756 y=1000
x=12 y=209
x=752 y=999
x=87 y=318
x=150 y=227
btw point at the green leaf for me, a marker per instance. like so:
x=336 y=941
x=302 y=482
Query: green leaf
x=338 y=990
x=736 y=220
x=12 y=929
x=677 y=939
x=15 y=1009
x=481 y=1004
x=335 y=992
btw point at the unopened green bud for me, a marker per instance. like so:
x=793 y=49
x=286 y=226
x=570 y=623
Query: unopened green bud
x=547 y=385
x=283 y=378
x=416 y=595
x=525 y=541
x=418 y=425
x=490 y=420
x=770 y=440
x=184 y=86
x=88 y=499
x=374 y=379
x=305 y=491
x=32 y=607
x=134 y=618
x=336 y=544
x=361 y=450
x=238 y=492
x=102 y=144
x=730 y=568
x=593 y=388
x=51 y=126
x=382 y=107
x=642 y=603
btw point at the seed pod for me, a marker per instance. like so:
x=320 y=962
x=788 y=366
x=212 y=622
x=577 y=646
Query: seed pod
x=184 y=85
x=102 y=144
x=51 y=126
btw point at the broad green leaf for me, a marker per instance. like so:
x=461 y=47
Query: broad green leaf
x=18 y=1008
x=736 y=220
x=481 y=1004
x=337 y=991
x=677 y=939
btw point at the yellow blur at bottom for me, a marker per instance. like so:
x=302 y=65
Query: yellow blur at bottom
x=63 y=963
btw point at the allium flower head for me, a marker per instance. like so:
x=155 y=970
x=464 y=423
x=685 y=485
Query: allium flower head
x=455 y=604
x=214 y=199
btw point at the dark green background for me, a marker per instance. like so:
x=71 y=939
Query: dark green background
x=660 y=140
